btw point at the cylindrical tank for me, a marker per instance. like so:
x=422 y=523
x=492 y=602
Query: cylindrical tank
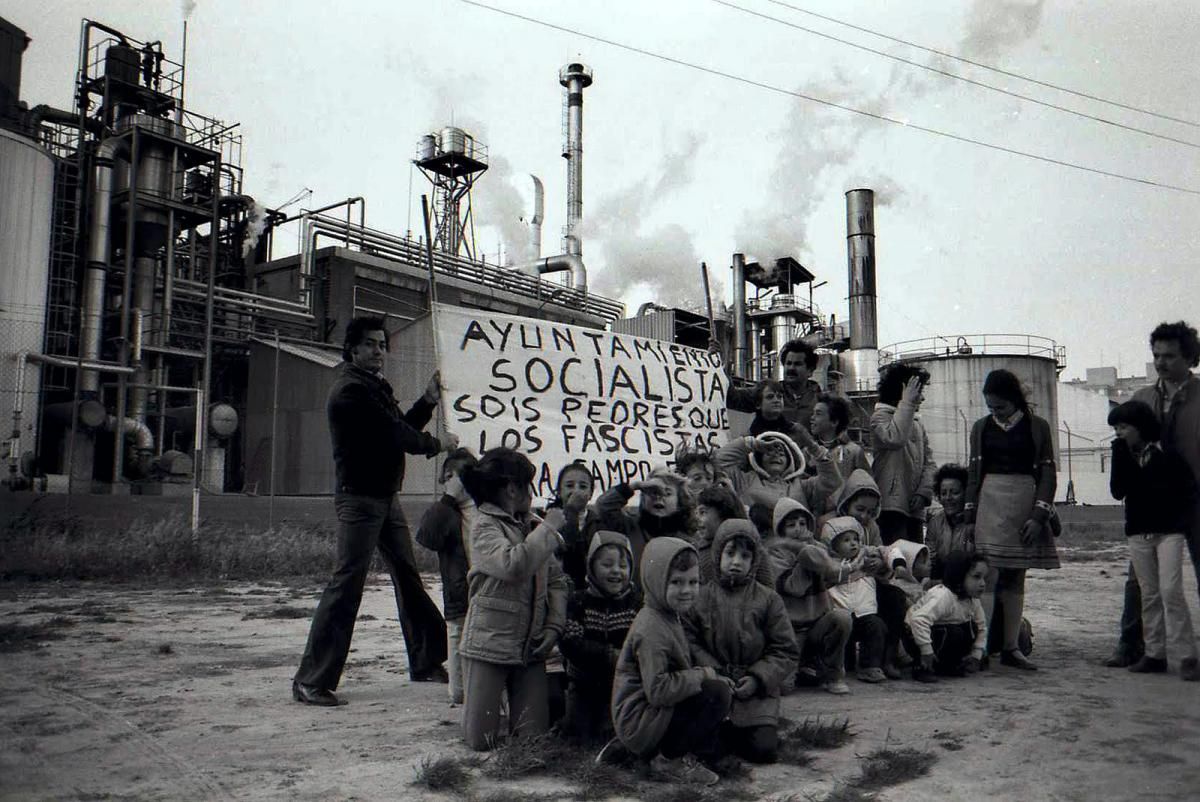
x=860 y=370
x=782 y=328
x=26 y=194
x=956 y=383
x=426 y=147
x=123 y=63
x=453 y=140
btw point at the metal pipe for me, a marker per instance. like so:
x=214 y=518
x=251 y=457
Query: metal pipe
x=99 y=247
x=564 y=262
x=274 y=435
x=860 y=249
x=126 y=296
x=14 y=448
x=739 y=314
x=535 y=222
x=66 y=362
x=132 y=429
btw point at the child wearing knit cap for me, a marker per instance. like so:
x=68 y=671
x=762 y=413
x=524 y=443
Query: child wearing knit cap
x=909 y=562
x=740 y=628
x=805 y=572
x=947 y=627
x=598 y=619
x=856 y=593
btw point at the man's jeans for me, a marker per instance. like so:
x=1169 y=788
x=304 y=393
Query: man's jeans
x=365 y=522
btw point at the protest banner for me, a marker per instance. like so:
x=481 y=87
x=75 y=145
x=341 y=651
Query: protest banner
x=620 y=404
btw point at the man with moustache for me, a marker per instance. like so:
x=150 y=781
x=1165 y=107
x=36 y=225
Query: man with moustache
x=800 y=392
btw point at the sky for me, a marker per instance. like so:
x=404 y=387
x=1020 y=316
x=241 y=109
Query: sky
x=683 y=166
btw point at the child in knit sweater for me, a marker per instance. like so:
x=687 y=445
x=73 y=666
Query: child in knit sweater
x=947 y=628
x=805 y=571
x=740 y=628
x=598 y=619
x=856 y=593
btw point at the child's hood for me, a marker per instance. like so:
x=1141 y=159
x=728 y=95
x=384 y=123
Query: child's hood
x=795 y=466
x=785 y=507
x=656 y=569
x=859 y=481
x=606 y=537
x=837 y=526
x=906 y=550
x=736 y=527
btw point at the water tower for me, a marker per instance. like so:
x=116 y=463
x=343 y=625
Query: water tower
x=452 y=160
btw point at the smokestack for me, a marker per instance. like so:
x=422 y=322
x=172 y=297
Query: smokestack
x=739 y=314
x=862 y=372
x=575 y=78
x=535 y=222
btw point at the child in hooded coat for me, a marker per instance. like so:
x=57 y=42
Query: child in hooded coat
x=769 y=466
x=740 y=627
x=598 y=619
x=663 y=704
x=805 y=572
x=859 y=498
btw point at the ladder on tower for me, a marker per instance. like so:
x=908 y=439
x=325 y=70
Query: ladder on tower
x=63 y=301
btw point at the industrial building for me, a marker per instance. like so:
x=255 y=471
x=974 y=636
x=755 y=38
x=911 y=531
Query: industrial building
x=143 y=328
x=150 y=344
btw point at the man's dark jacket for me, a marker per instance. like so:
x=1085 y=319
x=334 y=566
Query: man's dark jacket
x=371 y=436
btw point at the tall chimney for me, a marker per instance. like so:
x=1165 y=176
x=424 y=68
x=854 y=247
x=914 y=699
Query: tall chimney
x=739 y=314
x=862 y=372
x=575 y=78
x=535 y=222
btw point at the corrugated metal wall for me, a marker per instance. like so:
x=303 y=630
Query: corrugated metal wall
x=304 y=456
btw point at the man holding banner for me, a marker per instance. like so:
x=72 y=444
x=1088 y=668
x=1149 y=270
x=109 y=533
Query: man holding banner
x=370 y=438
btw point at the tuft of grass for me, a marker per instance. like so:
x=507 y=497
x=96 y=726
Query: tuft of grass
x=17 y=637
x=721 y=792
x=886 y=767
x=282 y=611
x=165 y=648
x=539 y=754
x=442 y=774
x=816 y=734
x=793 y=753
x=598 y=782
x=949 y=741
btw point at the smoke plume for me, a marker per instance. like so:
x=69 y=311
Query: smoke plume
x=186 y=7
x=255 y=224
x=661 y=259
x=498 y=203
x=996 y=25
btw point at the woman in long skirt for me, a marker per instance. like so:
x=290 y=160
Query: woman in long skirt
x=1010 y=497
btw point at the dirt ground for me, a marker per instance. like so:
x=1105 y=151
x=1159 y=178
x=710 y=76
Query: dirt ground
x=183 y=694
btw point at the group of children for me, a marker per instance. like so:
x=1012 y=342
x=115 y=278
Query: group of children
x=682 y=620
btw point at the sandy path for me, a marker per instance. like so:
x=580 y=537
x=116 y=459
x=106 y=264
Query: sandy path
x=109 y=712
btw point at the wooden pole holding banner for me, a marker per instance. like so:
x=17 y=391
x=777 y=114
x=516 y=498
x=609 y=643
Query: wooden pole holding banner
x=712 y=321
x=437 y=360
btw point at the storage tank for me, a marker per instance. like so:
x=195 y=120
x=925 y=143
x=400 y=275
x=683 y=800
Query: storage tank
x=26 y=194
x=957 y=368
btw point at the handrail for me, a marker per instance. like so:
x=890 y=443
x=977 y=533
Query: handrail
x=975 y=344
x=372 y=241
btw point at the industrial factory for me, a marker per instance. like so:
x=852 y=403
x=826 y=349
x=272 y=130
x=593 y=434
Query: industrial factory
x=146 y=322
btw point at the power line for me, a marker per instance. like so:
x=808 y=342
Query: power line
x=957 y=77
x=830 y=103
x=994 y=69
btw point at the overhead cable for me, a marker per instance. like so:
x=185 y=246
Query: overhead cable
x=832 y=104
x=990 y=67
x=957 y=77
